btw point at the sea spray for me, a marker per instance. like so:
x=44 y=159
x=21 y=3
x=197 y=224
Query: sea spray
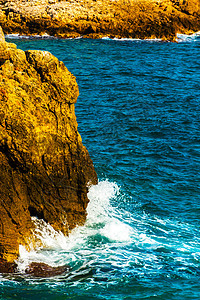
x=143 y=236
x=188 y=37
x=100 y=210
x=100 y=221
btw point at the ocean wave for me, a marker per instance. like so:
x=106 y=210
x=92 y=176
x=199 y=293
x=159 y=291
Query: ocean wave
x=100 y=224
x=17 y=36
x=115 y=237
x=47 y=36
x=180 y=37
x=131 y=39
x=22 y=36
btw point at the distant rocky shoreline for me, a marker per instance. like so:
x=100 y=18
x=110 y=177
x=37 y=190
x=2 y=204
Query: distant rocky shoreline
x=142 y=19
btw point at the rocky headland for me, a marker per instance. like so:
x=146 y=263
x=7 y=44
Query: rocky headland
x=44 y=167
x=96 y=18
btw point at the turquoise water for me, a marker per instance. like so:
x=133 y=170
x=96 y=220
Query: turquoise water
x=139 y=116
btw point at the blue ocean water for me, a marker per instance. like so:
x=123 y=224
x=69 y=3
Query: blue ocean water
x=139 y=117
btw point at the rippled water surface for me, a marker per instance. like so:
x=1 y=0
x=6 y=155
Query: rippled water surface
x=139 y=116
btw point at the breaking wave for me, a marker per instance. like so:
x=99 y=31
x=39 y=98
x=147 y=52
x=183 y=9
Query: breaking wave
x=117 y=240
x=188 y=37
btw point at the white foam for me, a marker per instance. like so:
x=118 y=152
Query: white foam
x=187 y=37
x=37 y=36
x=47 y=237
x=100 y=196
x=22 y=36
x=107 y=226
x=126 y=39
x=101 y=211
x=101 y=220
x=131 y=39
x=105 y=38
x=116 y=231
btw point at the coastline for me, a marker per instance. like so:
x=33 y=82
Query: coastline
x=162 y=19
x=179 y=37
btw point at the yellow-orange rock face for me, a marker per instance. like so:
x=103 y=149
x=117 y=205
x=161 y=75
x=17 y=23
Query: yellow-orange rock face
x=44 y=166
x=96 y=18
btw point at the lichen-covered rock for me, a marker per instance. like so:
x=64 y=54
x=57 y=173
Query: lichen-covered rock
x=96 y=18
x=45 y=169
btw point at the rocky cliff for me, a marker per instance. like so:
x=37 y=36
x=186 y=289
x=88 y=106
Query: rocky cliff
x=44 y=167
x=96 y=18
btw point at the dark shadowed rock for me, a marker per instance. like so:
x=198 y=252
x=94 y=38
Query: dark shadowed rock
x=7 y=267
x=35 y=269
x=44 y=270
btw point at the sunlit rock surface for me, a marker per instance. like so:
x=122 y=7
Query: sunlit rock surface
x=44 y=167
x=96 y=18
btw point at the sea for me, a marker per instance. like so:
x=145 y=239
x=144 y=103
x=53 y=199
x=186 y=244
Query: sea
x=138 y=115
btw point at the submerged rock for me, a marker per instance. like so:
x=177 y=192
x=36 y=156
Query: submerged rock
x=96 y=18
x=43 y=270
x=45 y=169
x=36 y=269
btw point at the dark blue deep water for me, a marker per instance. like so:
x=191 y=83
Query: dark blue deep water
x=139 y=117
